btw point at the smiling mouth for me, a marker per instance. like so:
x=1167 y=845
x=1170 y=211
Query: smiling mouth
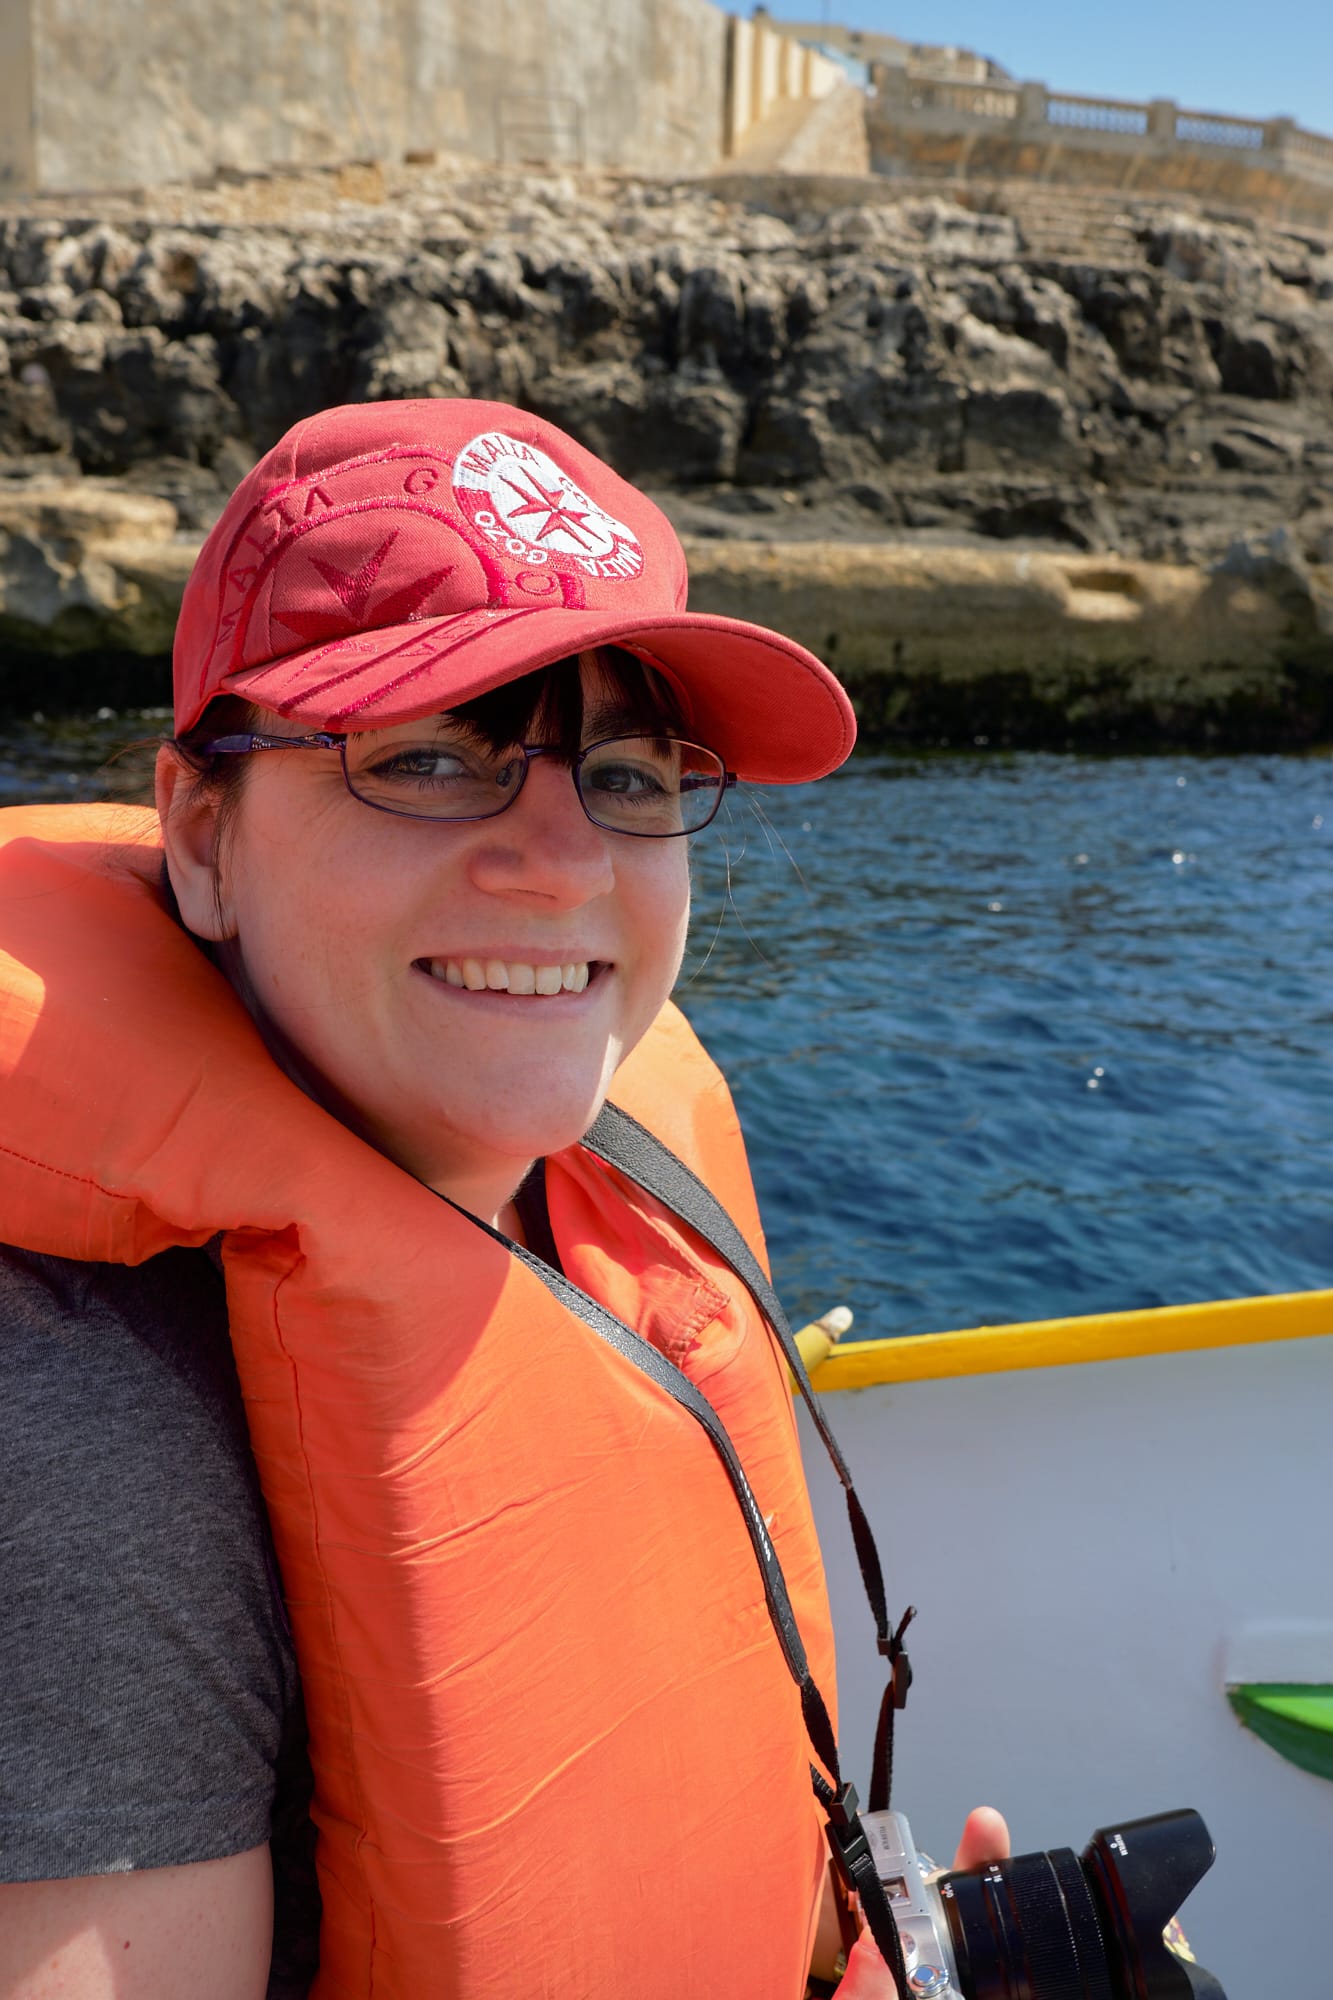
x=495 y=975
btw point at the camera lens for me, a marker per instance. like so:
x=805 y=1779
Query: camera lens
x=1027 y=1929
x=1052 y=1926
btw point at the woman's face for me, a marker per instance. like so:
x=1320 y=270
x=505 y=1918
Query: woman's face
x=353 y=928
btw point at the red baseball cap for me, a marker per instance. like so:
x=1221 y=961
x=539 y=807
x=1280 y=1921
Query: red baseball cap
x=386 y=561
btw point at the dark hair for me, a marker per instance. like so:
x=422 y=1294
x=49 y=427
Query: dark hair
x=545 y=706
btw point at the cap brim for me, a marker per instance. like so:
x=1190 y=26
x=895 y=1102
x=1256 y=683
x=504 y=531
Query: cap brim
x=768 y=707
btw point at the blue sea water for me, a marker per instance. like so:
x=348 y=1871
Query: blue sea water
x=1011 y=1035
x=1015 y=1036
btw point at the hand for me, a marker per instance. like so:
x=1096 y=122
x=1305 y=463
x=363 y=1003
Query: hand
x=985 y=1838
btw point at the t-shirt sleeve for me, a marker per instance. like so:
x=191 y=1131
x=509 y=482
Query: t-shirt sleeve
x=145 y=1670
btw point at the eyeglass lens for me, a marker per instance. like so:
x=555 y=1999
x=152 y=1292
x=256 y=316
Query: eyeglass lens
x=654 y=786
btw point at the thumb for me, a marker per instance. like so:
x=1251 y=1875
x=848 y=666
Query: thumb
x=985 y=1838
x=867 y=1976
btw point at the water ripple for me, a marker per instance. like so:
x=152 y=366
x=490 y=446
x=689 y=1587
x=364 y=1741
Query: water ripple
x=1017 y=1036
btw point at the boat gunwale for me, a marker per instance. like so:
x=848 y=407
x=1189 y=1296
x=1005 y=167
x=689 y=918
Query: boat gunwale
x=1077 y=1341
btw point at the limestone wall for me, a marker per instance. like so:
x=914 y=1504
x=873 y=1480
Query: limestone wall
x=125 y=94
x=767 y=73
x=16 y=106
x=812 y=136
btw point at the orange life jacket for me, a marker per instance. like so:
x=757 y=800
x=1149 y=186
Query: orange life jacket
x=557 y=1748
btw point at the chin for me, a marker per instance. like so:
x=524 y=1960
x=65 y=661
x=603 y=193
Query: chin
x=525 y=1142
x=525 y=1131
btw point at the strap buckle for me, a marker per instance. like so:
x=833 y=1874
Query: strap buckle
x=842 y=1807
x=846 y=1835
x=892 y=1649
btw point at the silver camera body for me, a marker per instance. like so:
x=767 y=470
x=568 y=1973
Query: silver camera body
x=1051 y=1922
x=909 y=1879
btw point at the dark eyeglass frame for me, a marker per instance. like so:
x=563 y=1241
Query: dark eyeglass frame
x=242 y=745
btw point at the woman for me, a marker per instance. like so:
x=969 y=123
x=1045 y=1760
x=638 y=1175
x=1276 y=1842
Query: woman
x=556 y=1745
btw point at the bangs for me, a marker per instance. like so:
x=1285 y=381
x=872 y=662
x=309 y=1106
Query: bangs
x=622 y=697
x=604 y=692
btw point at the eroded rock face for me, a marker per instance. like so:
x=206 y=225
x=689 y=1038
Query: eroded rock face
x=935 y=643
x=87 y=567
x=899 y=366
x=1007 y=494
x=956 y=645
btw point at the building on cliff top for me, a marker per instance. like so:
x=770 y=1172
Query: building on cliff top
x=864 y=47
x=938 y=114
x=104 y=94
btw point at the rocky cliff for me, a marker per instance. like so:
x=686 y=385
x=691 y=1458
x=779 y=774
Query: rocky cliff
x=792 y=360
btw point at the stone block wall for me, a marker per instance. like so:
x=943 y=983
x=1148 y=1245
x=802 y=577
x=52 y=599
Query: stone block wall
x=767 y=72
x=114 y=93
x=818 y=137
x=17 y=134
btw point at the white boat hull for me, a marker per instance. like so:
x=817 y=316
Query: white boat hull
x=1095 y=1550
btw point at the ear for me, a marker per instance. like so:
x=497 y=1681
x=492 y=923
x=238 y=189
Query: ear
x=188 y=812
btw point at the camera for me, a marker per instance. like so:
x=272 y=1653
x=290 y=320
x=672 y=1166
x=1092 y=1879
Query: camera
x=1051 y=1925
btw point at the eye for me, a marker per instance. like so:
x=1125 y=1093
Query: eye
x=626 y=779
x=426 y=766
x=421 y=761
x=441 y=778
x=637 y=768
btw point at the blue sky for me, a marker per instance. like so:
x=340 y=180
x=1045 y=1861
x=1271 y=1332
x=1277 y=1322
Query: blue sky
x=1262 y=62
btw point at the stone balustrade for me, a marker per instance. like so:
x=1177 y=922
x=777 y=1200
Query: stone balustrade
x=923 y=122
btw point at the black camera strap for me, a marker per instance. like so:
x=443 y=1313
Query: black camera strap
x=638 y=1154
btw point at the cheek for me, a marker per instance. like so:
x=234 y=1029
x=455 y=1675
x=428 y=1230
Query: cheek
x=680 y=928
x=284 y=955
x=301 y=915
x=664 y=914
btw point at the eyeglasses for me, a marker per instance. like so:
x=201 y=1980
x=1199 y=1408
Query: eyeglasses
x=653 y=787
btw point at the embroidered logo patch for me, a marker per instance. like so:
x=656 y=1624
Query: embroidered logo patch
x=528 y=509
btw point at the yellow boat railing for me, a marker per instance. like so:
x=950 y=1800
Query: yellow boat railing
x=1057 y=1343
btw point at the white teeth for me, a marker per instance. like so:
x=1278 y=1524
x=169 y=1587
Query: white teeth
x=494 y=975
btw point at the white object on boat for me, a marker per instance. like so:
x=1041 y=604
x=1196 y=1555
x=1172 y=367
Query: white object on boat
x=1103 y=1522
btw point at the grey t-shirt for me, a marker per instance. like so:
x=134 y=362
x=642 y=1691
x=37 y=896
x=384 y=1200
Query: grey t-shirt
x=150 y=1710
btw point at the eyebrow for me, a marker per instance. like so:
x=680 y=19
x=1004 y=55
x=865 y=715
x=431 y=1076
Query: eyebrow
x=447 y=723
x=621 y=718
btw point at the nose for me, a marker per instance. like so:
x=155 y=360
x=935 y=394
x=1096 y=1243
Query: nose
x=545 y=846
